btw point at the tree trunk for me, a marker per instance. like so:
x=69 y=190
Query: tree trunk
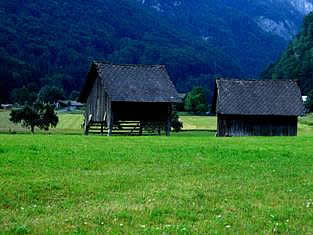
x=32 y=129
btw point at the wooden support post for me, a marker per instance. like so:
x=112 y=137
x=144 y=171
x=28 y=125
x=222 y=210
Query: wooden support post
x=168 y=122
x=86 y=124
x=110 y=124
x=168 y=127
x=109 y=117
x=102 y=123
x=86 y=128
x=140 y=128
x=110 y=127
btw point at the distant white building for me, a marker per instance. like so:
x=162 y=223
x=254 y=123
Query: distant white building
x=304 y=98
x=6 y=106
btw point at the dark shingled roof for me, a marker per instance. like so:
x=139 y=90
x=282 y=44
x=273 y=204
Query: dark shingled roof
x=259 y=97
x=132 y=83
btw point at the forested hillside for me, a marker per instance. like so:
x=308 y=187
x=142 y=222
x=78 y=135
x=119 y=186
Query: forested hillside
x=60 y=38
x=297 y=61
x=52 y=42
x=253 y=33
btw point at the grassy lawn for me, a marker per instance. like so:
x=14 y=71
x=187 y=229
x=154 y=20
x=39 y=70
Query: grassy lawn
x=198 y=122
x=190 y=183
x=306 y=125
x=68 y=124
x=71 y=124
x=155 y=185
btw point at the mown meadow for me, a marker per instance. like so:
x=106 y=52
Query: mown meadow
x=189 y=183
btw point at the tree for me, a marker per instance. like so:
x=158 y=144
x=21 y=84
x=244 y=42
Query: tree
x=23 y=96
x=38 y=115
x=74 y=95
x=309 y=102
x=196 y=101
x=50 y=94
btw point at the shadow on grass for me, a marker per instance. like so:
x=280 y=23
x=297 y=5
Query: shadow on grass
x=56 y=132
x=199 y=130
x=195 y=132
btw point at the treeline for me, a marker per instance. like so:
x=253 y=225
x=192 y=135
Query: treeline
x=24 y=83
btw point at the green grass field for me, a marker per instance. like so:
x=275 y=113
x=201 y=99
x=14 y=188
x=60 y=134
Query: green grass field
x=71 y=124
x=68 y=123
x=190 y=183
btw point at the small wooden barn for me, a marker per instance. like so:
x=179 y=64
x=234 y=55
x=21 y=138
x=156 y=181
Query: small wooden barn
x=257 y=107
x=128 y=99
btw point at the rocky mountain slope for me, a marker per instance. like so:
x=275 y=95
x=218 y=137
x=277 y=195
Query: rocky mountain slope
x=253 y=33
x=279 y=17
x=302 y=6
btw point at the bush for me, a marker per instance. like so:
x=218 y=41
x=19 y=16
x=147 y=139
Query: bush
x=176 y=124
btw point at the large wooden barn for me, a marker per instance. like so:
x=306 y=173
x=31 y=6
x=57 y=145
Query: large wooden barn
x=257 y=107
x=128 y=99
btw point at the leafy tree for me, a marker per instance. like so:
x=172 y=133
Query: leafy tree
x=74 y=95
x=38 y=115
x=61 y=80
x=196 y=101
x=50 y=94
x=23 y=96
x=53 y=80
x=15 y=73
x=309 y=102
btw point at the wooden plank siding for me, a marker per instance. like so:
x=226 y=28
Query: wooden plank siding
x=98 y=103
x=241 y=125
x=257 y=107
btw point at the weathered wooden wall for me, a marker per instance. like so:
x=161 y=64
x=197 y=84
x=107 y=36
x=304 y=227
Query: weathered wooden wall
x=98 y=103
x=235 y=125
